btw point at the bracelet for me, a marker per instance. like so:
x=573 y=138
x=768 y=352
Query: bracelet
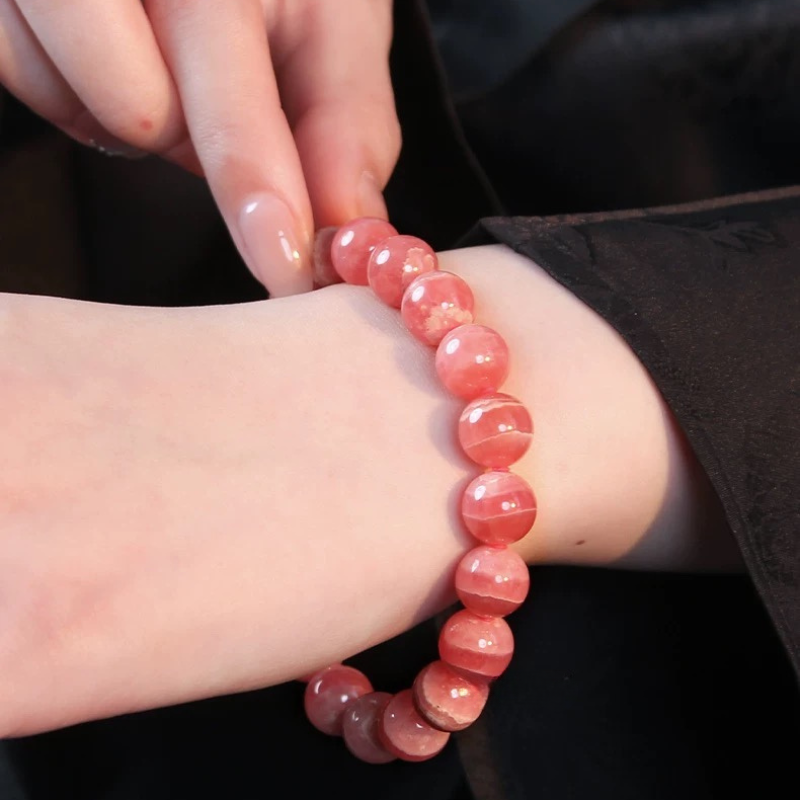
x=498 y=507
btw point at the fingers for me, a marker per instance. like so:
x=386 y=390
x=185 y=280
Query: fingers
x=28 y=73
x=333 y=69
x=108 y=55
x=219 y=55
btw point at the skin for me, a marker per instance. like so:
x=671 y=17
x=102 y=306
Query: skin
x=288 y=100
x=202 y=501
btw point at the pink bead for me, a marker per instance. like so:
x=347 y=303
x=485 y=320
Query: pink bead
x=472 y=360
x=492 y=581
x=406 y=734
x=480 y=646
x=360 y=728
x=324 y=273
x=435 y=304
x=498 y=507
x=395 y=262
x=353 y=244
x=448 y=699
x=495 y=431
x=329 y=692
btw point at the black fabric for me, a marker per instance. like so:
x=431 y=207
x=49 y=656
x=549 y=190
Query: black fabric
x=709 y=299
x=624 y=685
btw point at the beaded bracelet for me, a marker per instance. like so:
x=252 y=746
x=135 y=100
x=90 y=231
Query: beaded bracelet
x=498 y=507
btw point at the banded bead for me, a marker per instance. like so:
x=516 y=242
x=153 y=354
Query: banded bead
x=479 y=646
x=448 y=699
x=495 y=430
x=492 y=581
x=498 y=507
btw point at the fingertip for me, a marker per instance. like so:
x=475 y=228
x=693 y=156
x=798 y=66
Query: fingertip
x=275 y=249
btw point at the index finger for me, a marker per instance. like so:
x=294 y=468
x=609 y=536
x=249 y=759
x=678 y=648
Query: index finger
x=219 y=56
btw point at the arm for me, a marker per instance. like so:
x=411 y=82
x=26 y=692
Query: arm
x=203 y=501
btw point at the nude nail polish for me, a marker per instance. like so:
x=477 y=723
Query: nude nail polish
x=275 y=251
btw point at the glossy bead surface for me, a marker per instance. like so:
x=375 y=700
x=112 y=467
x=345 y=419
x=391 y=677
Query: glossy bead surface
x=435 y=304
x=353 y=244
x=480 y=646
x=395 y=263
x=495 y=431
x=405 y=733
x=472 y=360
x=448 y=699
x=329 y=692
x=498 y=507
x=492 y=581
x=360 y=728
x=324 y=273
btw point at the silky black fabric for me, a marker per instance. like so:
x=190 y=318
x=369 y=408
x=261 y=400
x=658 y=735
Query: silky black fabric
x=624 y=685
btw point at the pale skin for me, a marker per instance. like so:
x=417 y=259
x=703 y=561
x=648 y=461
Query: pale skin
x=202 y=501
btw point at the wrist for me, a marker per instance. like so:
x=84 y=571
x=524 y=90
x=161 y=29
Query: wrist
x=616 y=483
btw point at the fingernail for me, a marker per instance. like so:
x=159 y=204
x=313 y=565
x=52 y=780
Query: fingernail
x=370 y=197
x=87 y=130
x=277 y=254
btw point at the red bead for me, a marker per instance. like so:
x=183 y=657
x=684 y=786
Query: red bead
x=329 y=692
x=324 y=273
x=472 y=360
x=448 y=699
x=406 y=734
x=495 y=431
x=353 y=244
x=492 y=581
x=360 y=728
x=435 y=304
x=395 y=263
x=498 y=507
x=480 y=646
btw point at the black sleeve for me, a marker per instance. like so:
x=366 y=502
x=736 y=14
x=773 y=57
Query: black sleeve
x=708 y=297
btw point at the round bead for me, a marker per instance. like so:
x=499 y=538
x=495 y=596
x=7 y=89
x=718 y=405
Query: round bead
x=472 y=360
x=448 y=699
x=495 y=431
x=406 y=734
x=329 y=692
x=498 y=507
x=480 y=646
x=353 y=244
x=435 y=304
x=324 y=273
x=360 y=728
x=395 y=263
x=492 y=581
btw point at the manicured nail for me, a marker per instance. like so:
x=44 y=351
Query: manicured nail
x=370 y=197
x=277 y=255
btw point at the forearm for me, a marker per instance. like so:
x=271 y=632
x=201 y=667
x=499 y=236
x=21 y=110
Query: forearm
x=228 y=497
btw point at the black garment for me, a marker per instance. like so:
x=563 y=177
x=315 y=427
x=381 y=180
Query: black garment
x=624 y=685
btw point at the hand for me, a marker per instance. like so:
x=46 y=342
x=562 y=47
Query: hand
x=286 y=107
x=191 y=508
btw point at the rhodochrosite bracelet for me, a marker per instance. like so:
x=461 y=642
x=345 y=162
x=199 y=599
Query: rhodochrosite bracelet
x=498 y=507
